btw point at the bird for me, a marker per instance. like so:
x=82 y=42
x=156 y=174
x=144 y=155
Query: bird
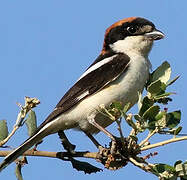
x=119 y=73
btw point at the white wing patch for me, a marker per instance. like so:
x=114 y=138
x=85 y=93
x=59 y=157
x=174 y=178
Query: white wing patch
x=82 y=95
x=97 y=65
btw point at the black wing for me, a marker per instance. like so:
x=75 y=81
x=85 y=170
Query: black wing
x=90 y=84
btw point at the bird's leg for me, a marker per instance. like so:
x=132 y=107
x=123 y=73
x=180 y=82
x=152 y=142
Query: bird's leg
x=103 y=152
x=113 y=147
x=66 y=143
x=91 y=120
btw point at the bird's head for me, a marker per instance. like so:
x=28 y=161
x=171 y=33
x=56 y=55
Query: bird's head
x=131 y=34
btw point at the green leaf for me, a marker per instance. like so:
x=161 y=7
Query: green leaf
x=137 y=117
x=151 y=112
x=162 y=73
x=163 y=98
x=31 y=123
x=126 y=107
x=3 y=129
x=146 y=104
x=166 y=120
x=164 y=167
x=139 y=100
x=178 y=130
x=181 y=169
x=165 y=171
x=183 y=178
x=156 y=88
x=172 y=81
x=160 y=115
x=165 y=95
x=116 y=105
x=158 y=121
x=177 y=162
x=173 y=119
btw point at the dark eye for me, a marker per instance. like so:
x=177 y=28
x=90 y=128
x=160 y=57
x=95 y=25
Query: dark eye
x=132 y=29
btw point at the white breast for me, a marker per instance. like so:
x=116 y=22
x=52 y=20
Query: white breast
x=124 y=89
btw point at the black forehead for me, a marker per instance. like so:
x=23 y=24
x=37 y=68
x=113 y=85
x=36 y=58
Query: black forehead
x=140 y=22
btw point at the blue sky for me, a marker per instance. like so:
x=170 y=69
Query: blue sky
x=46 y=45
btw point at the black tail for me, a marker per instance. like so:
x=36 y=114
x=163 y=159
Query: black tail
x=22 y=148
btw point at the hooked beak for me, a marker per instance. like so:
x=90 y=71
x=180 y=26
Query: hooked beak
x=155 y=35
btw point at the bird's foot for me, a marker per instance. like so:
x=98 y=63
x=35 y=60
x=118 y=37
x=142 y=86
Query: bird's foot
x=36 y=145
x=66 y=143
x=111 y=157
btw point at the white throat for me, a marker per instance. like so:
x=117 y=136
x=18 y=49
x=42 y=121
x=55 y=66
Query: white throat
x=133 y=45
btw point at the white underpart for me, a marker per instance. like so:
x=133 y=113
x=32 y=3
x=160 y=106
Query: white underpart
x=97 y=65
x=124 y=89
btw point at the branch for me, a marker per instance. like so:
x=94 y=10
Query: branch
x=31 y=152
x=148 y=137
x=87 y=154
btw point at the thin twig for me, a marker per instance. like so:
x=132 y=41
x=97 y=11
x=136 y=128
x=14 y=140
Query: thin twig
x=106 y=112
x=130 y=121
x=121 y=133
x=148 y=137
x=147 y=167
x=9 y=136
x=29 y=104
x=20 y=118
x=163 y=143
x=132 y=124
x=144 y=167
